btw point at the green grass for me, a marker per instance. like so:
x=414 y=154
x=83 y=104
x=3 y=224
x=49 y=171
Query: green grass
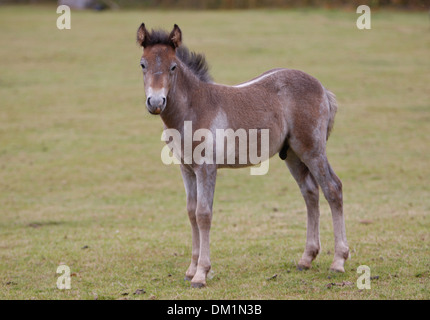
x=80 y=158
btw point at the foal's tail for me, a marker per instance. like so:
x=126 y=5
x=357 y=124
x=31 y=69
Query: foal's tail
x=332 y=109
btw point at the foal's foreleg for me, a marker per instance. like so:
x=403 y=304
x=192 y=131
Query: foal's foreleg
x=189 y=178
x=310 y=191
x=206 y=177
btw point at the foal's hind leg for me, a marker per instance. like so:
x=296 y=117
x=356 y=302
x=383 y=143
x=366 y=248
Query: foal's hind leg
x=189 y=178
x=310 y=191
x=332 y=188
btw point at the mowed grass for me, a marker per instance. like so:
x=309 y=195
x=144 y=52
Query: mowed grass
x=82 y=182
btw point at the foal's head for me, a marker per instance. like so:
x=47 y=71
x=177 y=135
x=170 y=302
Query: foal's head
x=159 y=64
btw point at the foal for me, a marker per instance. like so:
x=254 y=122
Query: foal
x=296 y=109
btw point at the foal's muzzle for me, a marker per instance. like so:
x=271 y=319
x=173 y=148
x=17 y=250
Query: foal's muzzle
x=156 y=104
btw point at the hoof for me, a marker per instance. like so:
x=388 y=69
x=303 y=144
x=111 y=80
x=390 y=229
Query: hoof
x=301 y=267
x=197 y=285
x=337 y=267
x=187 y=278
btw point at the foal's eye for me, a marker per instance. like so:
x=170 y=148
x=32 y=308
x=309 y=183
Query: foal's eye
x=172 y=68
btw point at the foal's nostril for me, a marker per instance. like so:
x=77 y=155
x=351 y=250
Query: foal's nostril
x=148 y=101
x=164 y=101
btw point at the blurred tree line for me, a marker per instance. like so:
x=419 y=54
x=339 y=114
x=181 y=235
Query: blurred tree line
x=250 y=4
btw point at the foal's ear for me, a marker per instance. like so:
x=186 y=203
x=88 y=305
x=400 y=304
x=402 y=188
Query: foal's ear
x=176 y=36
x=142 y=36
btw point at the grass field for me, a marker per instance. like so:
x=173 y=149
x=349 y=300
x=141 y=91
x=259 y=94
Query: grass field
x=82 y=182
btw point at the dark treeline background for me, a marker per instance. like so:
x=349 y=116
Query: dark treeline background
x=250 y=4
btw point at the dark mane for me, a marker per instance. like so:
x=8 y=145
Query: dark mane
x=196 y=62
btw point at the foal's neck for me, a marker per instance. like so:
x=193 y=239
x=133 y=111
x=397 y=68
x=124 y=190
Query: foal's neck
x=182 y=96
